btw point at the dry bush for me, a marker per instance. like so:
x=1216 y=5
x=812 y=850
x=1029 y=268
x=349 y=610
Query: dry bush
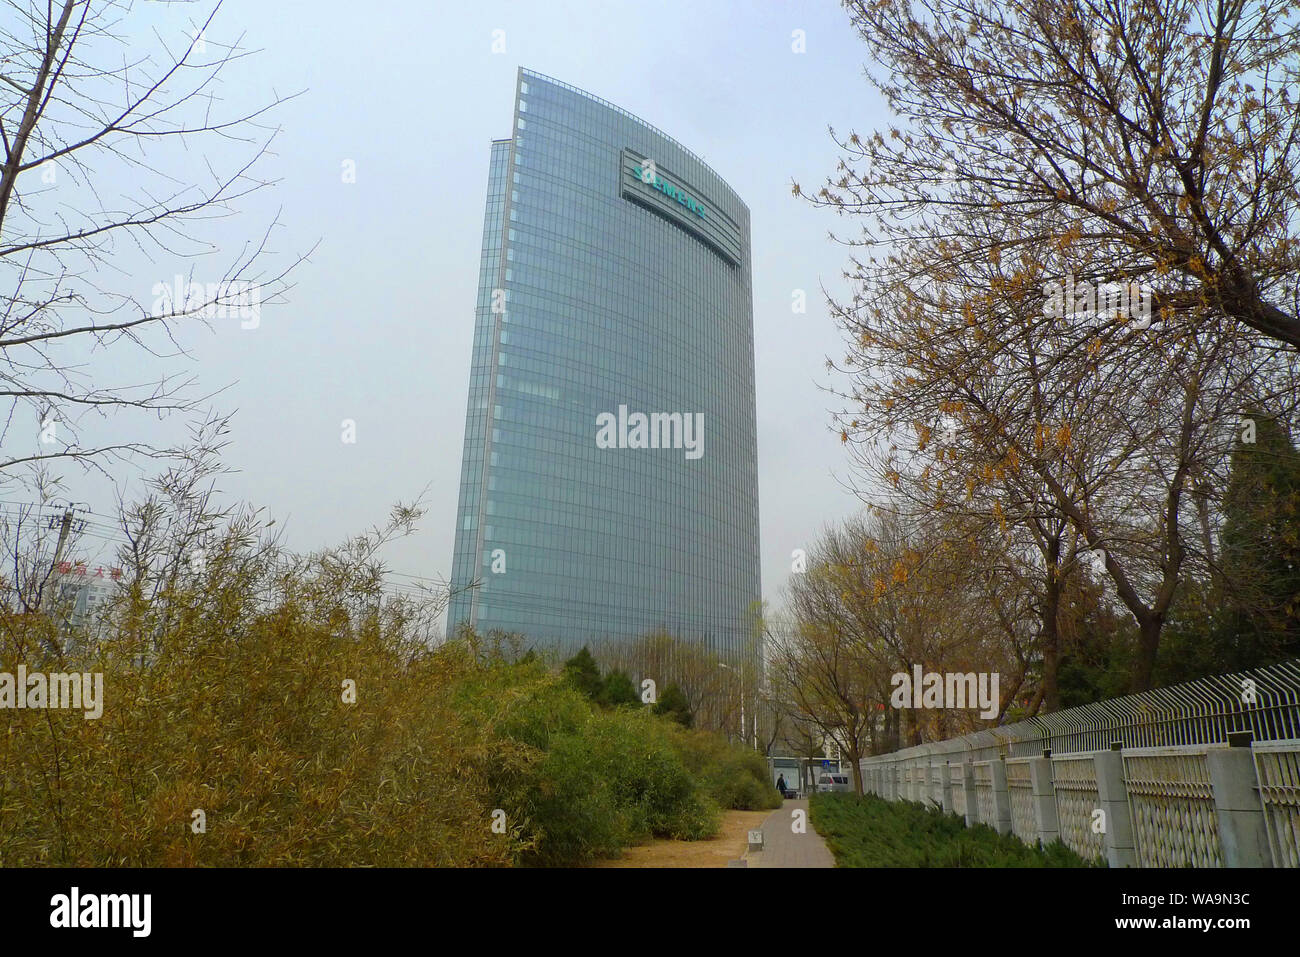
x=225 y=692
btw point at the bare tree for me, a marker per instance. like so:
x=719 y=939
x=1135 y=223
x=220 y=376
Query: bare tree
x=1087 y=428
x=1153 y=138
x=98 y=189
x=720 y=689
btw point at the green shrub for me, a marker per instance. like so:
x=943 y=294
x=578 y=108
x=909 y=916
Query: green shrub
x=741 y=782
x=662 y=797
x=614 y=781
x=869 y=831
x=570 y=807
x=734 y=776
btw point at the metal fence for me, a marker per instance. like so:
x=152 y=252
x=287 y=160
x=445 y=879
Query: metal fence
x=1277 y=771
x=1205 y=774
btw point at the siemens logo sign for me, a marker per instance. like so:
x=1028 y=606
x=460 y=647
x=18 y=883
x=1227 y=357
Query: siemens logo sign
x=647 y=175
x=675 y=198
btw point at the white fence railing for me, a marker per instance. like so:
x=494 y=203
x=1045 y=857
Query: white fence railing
x=1205 y=774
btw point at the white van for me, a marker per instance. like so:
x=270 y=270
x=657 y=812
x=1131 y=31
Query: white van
x=830 y=781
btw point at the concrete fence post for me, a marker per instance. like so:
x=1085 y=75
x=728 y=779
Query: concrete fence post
x=1045 y=811
x=1113 y=795
x=935 y=795
x=972 y=799
x=1243 y=831
x=945 y=784
x=1001 y=798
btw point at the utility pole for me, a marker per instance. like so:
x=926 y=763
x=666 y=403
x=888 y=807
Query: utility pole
x=65 y=527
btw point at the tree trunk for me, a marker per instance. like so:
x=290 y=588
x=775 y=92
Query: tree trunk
x=911 y=732
x=1148 y=644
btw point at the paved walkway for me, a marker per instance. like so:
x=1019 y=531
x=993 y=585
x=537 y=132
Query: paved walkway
x=784 y=848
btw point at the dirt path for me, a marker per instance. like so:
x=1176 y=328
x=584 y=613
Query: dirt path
x=729 y=845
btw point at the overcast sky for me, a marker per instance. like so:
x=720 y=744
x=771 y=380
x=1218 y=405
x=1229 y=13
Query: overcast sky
x=378 y=326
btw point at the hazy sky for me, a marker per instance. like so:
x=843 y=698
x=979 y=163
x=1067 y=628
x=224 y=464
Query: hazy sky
x=378 y=326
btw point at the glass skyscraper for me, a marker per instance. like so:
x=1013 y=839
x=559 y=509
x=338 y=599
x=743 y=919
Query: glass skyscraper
x=609 y=477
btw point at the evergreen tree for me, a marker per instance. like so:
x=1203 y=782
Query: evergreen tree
x=618 y=689
x=582 y=672
x=1259 y=618
x=673 y=703
x=1189 y=648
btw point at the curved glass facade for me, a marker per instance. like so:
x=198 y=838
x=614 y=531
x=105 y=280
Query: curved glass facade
x=614 y=285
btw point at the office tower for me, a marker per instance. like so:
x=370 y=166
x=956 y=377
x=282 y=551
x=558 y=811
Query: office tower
x=609 y=474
